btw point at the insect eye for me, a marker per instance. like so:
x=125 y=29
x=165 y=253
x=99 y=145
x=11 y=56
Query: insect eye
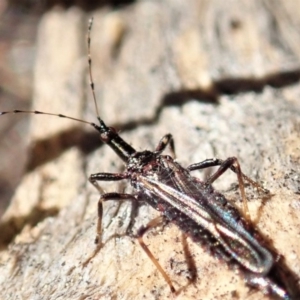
x=105 y=137
x=113 y=130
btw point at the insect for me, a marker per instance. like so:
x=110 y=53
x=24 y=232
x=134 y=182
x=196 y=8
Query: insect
x=193 y=205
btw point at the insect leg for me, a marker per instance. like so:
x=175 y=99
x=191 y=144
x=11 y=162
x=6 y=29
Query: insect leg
x=106 y=177
x=212 y=162
x=230 y=163
x=141 y=231
x=153 y=223
x=104 y=197
x=164 y=142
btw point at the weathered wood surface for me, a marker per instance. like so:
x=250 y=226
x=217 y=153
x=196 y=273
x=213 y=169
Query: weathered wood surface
x=221 y=76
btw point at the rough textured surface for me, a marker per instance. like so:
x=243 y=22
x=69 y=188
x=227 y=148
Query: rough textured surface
x=222 y=78
x=17 y=42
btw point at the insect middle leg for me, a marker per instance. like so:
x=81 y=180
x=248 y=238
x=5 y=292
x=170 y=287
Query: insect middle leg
x=104 y=197
x=94 y=178
x=213 y=162
x=232 y=164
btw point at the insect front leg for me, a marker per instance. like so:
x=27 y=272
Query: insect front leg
x=164 y=142
x=152 y=224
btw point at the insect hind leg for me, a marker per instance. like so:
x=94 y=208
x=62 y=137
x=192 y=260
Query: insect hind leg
x=152 y=224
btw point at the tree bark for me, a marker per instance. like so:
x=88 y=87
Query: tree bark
x=221 y=76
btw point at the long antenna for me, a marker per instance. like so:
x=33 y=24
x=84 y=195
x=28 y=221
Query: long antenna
x=44 y=113
x=108 y=135
x=92 y=84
